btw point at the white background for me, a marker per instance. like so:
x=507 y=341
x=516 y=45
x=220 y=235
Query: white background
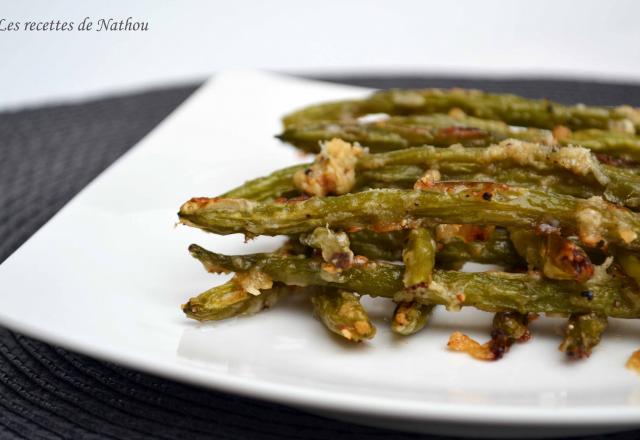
x=190 y=40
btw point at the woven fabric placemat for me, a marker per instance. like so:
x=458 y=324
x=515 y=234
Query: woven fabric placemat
x=47 y=155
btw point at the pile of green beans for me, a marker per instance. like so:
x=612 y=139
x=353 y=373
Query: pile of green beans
x=409 y=186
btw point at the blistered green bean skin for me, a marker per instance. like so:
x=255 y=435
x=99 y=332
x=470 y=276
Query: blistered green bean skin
x=409 y=317
x=595 y=221
x=419 y=257
x=613 y=295
x=506 y=329
x=341 y=312
x=228 y=300
x=512 y=109
x=583 y=333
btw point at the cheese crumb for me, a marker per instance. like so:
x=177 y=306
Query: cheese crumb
x=427 y=180
x=634 y=362
x=452 y=300
x=333 y=171
x=589 y=226
x=460 y=342
x=254 y=281
x=578 y=160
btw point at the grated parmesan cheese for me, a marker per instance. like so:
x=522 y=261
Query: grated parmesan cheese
x=253 y=281
x=333 y=171
x=578 y=160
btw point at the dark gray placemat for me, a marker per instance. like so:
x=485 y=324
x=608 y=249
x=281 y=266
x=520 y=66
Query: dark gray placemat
x=49 y=154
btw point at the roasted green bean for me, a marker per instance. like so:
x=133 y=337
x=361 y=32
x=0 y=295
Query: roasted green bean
x=229 y=300
x=441 y=130
x=506 y=329
x=511 y=109
x=419 y=257
x=583 y=333
x=608 y=292
x=410 y=131
x=595 y=221
x=569 y=170
x=341 y=312
x=451 y=253
x=605 y=141
x=410 y=317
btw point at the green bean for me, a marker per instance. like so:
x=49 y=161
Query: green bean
x=341 y=313
x=609 y=293
x=442 y=130
x=622 y=189
x=583 y=333
x=506 y=329
x=561 y=182
x=381 y=277
x=497 y=249
x=594 y=220
x=572 y=167
x=512 y=109
x=229 y=300
x=571 y=171
x=453 y=253
x=419 y=257
x=409 y=131
x=505 y=155
x=410 y=317
x=603 y=141
x=274 y=185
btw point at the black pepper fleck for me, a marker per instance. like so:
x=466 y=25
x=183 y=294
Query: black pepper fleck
x=588 y=294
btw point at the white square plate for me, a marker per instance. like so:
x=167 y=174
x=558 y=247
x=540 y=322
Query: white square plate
x=107 y=274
